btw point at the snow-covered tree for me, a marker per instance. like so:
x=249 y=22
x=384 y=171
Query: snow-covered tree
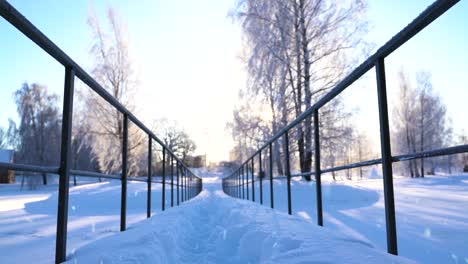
x=113 y=69
x=420 y=121
x=296 y=50
x=3 y=138
x=38 y=134
x=174 y=137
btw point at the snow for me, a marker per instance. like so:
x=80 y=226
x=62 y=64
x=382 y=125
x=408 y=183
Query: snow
x=28 y=218
x=214 y=228
x=431 y=213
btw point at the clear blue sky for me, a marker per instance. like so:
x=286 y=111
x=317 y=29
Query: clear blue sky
x=187 y=52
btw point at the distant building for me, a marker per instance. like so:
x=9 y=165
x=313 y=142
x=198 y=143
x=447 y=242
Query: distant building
x=228 y=164
x=196 y=161
x=7 y=176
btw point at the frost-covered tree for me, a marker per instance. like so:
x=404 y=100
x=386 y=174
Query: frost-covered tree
x=113 y=69
x=3 y=138
x=296 y=50
x=38 y=134
x=175 y=138
x=420 y=121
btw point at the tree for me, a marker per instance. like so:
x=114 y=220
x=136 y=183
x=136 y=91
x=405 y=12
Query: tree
x=175 y=138
x=39 y=129
x=422 y=125
x=3 y=138
x=114 y=71
x=296 y=51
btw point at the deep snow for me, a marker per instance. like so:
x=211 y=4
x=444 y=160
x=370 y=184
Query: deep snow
x=431 y=219
x=214 y=228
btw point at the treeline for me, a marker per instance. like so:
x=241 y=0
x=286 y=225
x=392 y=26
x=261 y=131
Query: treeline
x=295 y=52
x=97 y=126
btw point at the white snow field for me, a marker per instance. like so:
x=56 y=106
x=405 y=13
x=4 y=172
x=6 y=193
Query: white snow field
x=214 y=228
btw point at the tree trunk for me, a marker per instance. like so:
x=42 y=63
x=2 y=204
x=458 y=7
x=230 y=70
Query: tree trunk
x=307 y=161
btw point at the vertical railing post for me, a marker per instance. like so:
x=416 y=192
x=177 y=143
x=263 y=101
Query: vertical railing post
x=65 y=167
x=243 y=181
x=239 y=186
x=150 y=158
x=386 y=158
x=182 y=177
x=318 y=173
x=172 y=181
x=186 y=185
x=247 y=178
x=163 y=193
x=260 y=175
x=123 y=204
x=288 y=171
x=270 y=148
x=236 y=177
x=177 y=181
x=253 y=179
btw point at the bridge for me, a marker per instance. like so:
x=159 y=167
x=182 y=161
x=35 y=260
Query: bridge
x=254 y=177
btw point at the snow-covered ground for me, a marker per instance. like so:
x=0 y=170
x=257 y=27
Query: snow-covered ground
x=431 y=213
x=28 y=218
x=431 y=217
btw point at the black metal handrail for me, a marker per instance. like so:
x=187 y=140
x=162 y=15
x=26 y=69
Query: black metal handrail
x=187 y=185
x=236 y=185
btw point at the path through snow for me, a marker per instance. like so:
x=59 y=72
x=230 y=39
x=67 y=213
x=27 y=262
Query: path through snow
x=214 y=228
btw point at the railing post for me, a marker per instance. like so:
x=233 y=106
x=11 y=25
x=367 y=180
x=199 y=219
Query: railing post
x=177 y=181
x=182 y=179
x=172 y=181
x=123 y=204
x=288 y=171
x=65 y=167
x=260 y=175
x=247 y=177
x=187 y=175
x=386 y=158
x=270 y=147
x=238 y=184
x=150 y=158
x=253 y=179
x=318 y=174
x=243 y=182
x=163 y=200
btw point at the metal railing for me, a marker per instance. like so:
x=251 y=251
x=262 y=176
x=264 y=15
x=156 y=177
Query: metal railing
x=237 y=184
x=187 y=185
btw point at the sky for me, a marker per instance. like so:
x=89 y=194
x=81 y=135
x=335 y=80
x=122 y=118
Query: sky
x=187 y=53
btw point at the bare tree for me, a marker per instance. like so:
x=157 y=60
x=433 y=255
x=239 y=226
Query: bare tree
x=422 y=125
x=38 y=134
x=113 y=70
x=3 y=138
x=175 y=138
x=296 y=51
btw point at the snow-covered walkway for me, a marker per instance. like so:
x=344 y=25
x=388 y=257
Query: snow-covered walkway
x=215 y=228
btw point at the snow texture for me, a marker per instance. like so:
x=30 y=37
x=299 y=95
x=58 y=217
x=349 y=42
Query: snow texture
x=214 y=228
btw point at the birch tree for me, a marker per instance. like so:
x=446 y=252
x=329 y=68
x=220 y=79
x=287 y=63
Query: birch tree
x=296 y=51
x=113 y=69
x=39 y=129
x=420 y=121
